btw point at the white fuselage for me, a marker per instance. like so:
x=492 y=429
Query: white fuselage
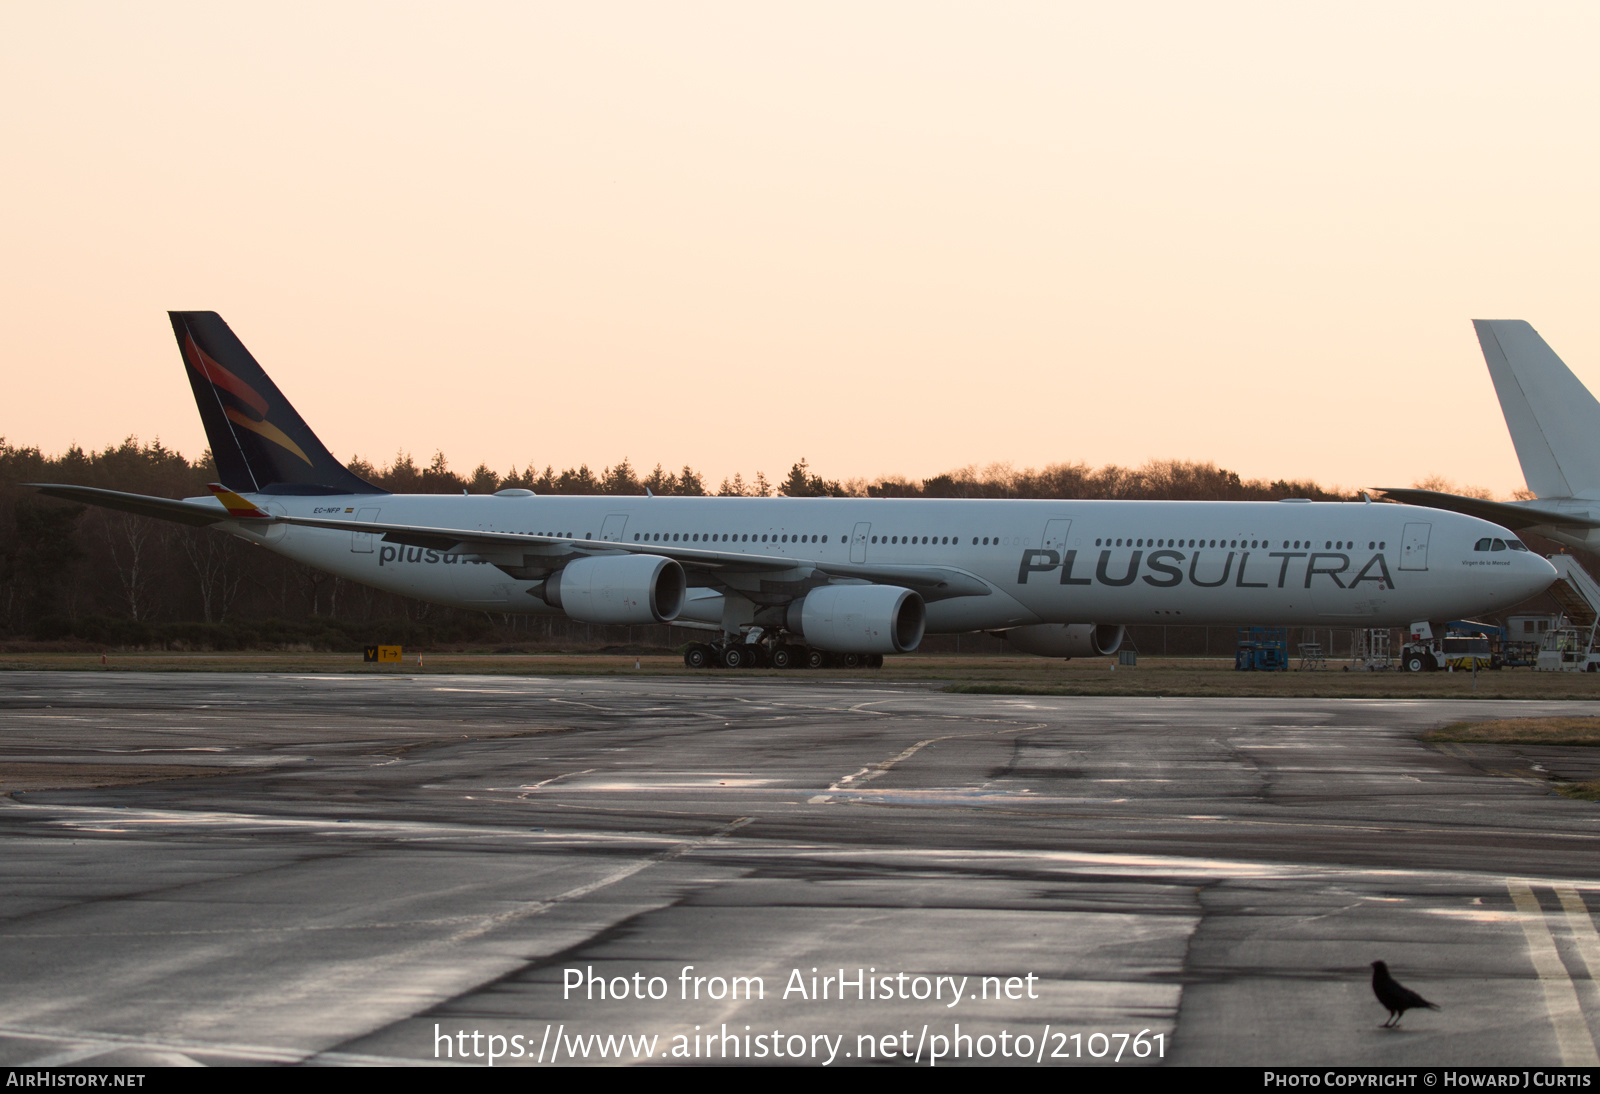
x=1129 y=562
x=1112 y=562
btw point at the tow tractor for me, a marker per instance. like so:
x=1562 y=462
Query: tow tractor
x=1464 y=647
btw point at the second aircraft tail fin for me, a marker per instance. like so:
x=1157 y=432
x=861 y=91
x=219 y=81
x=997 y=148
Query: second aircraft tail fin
x=1554 y=420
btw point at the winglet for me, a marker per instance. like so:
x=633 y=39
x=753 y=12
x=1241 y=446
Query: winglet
x=234 y=504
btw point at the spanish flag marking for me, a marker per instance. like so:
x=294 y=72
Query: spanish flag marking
x=233 y=503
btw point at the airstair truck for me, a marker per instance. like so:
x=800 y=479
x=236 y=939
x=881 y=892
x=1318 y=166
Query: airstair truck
x=1570 y=647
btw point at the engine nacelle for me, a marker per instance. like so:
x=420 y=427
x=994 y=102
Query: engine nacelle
x=617 y=589
x=1067 y=639
x=859 y=618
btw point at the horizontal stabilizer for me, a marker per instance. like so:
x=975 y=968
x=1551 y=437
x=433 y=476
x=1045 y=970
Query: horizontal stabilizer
x=196 y=513
x=1502 y=513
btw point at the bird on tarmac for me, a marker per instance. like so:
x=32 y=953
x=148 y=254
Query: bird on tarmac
x=1394 y=996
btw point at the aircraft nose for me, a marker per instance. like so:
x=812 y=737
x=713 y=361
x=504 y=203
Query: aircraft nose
x=1534 y=576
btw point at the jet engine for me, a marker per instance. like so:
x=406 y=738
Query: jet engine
x=859 y=618
x=1067 y=639
x=617 y=589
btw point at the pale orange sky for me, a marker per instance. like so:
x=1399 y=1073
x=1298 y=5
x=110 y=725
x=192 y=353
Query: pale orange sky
x=891 y=238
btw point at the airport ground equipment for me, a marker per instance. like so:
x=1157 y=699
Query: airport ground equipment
x=1460 y=645
x=1372 y=648
x=1262 y=649
x=1312 y=656
x=1567 y=649
x=1577 y=593
x=1518 y=654
x=1421 y=649
x=1469 y=653
x=1570 y=646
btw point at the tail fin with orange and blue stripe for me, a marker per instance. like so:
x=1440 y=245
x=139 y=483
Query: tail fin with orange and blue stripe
x=259 y=443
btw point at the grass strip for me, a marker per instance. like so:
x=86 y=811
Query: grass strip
x=1524 y=731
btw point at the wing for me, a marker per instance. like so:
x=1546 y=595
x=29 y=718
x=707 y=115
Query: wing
x=1410 y=999
x=528 y=556
x=1515 y=517
x=531 y=557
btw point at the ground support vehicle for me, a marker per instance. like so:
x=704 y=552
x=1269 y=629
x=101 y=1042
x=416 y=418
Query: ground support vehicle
x=1262 y=649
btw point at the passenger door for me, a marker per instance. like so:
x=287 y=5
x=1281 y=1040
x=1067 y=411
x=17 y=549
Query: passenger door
x=1055 y=536
x=1414 y=547
x=612 y=529
x=361 y=542
x=858 y=542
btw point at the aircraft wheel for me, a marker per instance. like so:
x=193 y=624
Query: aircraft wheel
x=699 y=656
x=850 y=660
x=735 y=657
x=816 y=659
x=783 y=657
x=875 y=661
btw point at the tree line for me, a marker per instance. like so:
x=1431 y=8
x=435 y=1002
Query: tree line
x=78 y=575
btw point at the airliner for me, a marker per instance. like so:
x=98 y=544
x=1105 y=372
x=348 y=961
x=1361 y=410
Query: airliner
x=1555 y=427
x=813 y=581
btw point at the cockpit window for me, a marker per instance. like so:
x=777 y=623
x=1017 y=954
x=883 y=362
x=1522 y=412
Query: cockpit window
x=1516 y=545
x=1482 y=544
x=1499 y=545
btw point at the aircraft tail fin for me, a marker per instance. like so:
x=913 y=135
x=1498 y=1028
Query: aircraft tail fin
x=258 y=441
x=1554 y=420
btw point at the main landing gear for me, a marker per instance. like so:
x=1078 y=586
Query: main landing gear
x=778 y=655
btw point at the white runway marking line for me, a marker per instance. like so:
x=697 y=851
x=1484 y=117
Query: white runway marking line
x=867 y=774
x=1560 y=994
x=1583 y=930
